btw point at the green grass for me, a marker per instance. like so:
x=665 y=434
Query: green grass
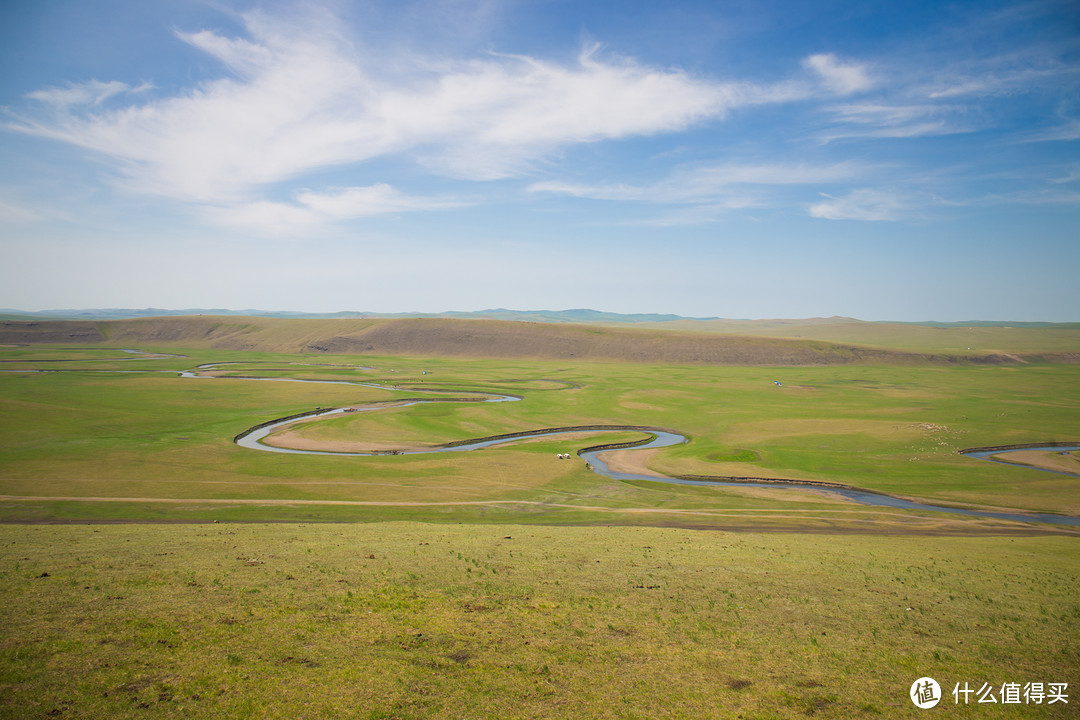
x=504 y=583
x=1060 y=337
x=892 y=429
x=410 y=620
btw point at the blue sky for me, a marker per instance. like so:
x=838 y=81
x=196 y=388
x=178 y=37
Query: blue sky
x=886 y=160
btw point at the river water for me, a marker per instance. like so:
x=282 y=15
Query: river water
x=862 y=497
x=252 y=439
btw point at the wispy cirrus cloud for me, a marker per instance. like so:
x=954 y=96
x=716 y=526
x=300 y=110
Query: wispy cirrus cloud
x=17 y=212
x=864 y=204
x=871 y=120
x=1067 y=128
x=948 y=93
x=997 y=76
x=706 y=192
x=311 y=209
x=300 y=97
x=93 y=92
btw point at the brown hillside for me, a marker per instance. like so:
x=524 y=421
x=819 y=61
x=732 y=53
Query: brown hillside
x=460 y=338
x=53 y=331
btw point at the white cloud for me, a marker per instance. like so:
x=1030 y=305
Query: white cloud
x=592 y=192
x=842 y=78
x=315 y=209
x=709 y=179
x=1005 y=75
x=372 y=200
x=863 y=204
x=242 y=56
x=701 y=213
x=712 y=189
x=892 y=121
x=92 y=92
x=299 y=97
x=1068 y=129
x=948 y=94
x=1039 y=196
x=17 y=212
x=303 y=98
x=1072 y=174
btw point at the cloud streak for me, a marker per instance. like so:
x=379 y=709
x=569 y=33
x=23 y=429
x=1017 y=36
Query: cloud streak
x=312 y=209
x=298 y=96
x=706 y=192
x=863 y=204
x=301 y=99
x=93 y=92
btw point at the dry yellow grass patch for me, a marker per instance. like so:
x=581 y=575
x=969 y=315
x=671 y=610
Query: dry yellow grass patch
x=295 y=440
x=790 y=494
x=641 y=406
x=631 y=461
x=1044 y=459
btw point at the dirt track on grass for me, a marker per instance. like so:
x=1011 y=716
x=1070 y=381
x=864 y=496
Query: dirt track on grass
x=833 y=521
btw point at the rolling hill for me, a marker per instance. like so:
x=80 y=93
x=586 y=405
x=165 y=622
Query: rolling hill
x=482 y=338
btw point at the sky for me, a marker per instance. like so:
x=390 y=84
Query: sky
x=726 y=158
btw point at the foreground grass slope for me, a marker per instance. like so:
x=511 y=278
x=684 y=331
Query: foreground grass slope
x=408 y=620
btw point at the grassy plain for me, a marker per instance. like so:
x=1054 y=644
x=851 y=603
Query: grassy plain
x=99 y=430
x=416 y=620
x=959 y=339
x=504 y=582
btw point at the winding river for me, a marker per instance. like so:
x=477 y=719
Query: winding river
x=253 y=438
x=659 y=437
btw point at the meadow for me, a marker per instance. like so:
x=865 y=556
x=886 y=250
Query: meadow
x=150 y=566
x=422 y=620
x=109 y=429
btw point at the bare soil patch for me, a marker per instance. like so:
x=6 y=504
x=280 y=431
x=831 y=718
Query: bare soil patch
x=631 y=461
x=1057 y=461
x=294 y=439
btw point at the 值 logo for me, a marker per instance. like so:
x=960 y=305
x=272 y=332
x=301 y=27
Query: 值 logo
x=925 y=693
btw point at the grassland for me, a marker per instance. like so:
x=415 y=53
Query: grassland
x=504 y=582
x=413 y=620
x=92 y=431
x=1056 y=338
x=683 y=342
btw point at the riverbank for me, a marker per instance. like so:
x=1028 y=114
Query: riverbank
x=1051 y=460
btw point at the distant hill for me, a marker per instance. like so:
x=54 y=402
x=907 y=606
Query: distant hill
x=563 y=316
x=475 y=338
x=548 y=316
x=996 y=323
x=130 y=313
